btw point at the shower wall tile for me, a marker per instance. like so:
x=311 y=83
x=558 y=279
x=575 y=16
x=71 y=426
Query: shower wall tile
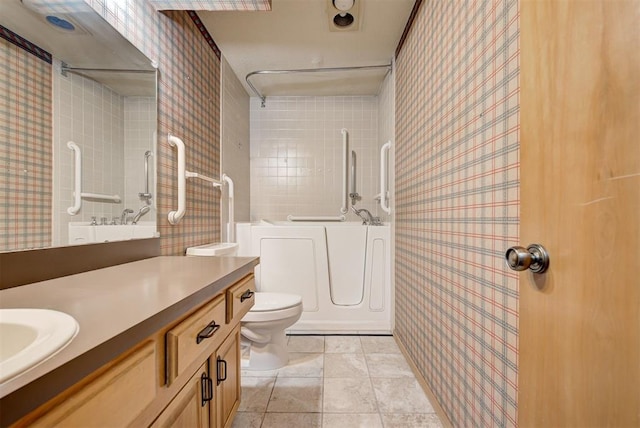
x=92 y=116
x=296 y=155
x=25 y=148
x=235 y=145
x=457 y=206
x=140 y=118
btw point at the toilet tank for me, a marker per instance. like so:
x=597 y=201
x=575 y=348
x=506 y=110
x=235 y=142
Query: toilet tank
x=215 y=249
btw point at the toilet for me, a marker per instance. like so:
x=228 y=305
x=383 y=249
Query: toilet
x=263 y=327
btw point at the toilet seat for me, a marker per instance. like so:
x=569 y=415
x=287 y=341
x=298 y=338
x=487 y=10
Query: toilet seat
x=274 y=306
x=265 y=301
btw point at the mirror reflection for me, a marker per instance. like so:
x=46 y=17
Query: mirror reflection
x=77 y=163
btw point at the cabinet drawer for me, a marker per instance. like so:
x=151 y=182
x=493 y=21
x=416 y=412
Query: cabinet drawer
x=118 y=395
x=200 y=332
x=240 y=298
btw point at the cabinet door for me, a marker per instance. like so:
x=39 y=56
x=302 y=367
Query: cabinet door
x=226 y=366
x=188 y=409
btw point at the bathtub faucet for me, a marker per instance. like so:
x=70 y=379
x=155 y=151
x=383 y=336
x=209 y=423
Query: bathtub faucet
x=367 y=218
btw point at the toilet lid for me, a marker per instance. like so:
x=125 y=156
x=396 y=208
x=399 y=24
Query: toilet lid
x=275 y=301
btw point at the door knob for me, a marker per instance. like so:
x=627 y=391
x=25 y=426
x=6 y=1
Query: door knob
x=534 y=257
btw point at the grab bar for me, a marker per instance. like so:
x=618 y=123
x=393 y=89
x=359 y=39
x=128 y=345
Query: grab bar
x=231 y=220
x=345 y=171
x=146 y=194
x=384 y=160
x=175 y=216
x=77 y=186
x=316 y=218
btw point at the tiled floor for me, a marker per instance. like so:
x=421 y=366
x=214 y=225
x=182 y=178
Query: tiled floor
x=336 y=381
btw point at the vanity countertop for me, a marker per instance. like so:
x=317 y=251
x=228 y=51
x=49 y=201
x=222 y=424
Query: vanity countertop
x=116 y=308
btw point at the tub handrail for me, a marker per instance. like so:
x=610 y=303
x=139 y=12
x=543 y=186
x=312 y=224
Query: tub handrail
x=345 y=171
x=231 y=220
x=316 y=218
x=78 y=194
x=384 y=191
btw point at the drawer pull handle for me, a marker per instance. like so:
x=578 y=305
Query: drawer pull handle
x=206 y=386
x=246 y=295
x=207 y=332
x=218 y=377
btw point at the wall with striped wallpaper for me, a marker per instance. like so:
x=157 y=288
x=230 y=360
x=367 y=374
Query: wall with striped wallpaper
x=457 y=205
x=188 y=107
x=25 y=145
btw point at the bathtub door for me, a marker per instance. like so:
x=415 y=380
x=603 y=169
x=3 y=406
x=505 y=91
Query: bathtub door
x=346 y=252
x=292 y=260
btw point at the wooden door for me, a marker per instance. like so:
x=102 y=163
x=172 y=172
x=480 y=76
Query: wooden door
x=227 y=390
x=579 y=360
x=186 y=409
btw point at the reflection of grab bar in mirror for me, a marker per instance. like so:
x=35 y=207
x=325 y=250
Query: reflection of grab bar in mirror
x=77 y=187
x=146 y=195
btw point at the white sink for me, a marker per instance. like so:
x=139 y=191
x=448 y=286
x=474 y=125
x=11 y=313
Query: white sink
x=29 y=336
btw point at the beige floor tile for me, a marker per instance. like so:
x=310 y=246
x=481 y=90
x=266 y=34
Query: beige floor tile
x=303 y=364
x=401 y=395
x=296 y=395
x=348 y=396
x=247 y=420
x=345 y=366
x=256 y=392
x=351 y=420
x=388 y=365
x=408 y=420
x=379 y=345
x=292 y=420
x=259 y=373
x=342 y=345
x=306 y=344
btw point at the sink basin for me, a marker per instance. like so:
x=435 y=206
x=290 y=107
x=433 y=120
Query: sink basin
x=30 y=336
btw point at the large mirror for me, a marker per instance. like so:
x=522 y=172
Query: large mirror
x=77 y=162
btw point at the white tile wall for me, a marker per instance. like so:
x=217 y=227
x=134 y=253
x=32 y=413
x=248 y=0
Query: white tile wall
x=296 y=154
x=140 y=119
x=92 y=115
x=235 y=145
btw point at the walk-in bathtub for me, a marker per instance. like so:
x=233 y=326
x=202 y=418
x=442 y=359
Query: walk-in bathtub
x=341 y=270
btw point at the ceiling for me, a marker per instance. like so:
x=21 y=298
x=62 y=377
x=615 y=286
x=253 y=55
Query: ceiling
x=94 y=44
x=300 y=34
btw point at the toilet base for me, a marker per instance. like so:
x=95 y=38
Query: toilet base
x=268 y=356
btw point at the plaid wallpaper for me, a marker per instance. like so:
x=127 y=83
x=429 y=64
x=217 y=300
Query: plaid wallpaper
x=188 y=107
x=25 y=145
x=457 y=205
x=245 y=5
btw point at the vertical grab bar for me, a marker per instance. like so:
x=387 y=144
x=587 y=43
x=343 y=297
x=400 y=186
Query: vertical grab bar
x=77 y=177
x=176 y=216
x=231 y=226
x=353 y=172
x=146 y=193
x=345 y=171
x=384 y=160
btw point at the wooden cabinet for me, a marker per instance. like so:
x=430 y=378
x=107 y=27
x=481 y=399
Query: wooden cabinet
x=187 y=374
x=190 y=408
x=192 y=337
x=227 y=367
x=118 y=393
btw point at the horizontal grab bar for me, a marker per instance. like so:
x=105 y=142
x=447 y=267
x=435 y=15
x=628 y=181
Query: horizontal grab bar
x=316 y=218
x=114 y=198
x=216 y=183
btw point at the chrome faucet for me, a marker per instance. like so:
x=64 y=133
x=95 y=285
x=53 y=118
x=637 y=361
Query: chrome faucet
x=142 y=212
x=123 y=217
x=367 y=218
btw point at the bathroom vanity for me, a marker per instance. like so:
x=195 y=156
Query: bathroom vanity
x=158 y=345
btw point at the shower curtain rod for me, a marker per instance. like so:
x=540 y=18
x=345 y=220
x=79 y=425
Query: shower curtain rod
x=64 y=68
x=263 y=98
